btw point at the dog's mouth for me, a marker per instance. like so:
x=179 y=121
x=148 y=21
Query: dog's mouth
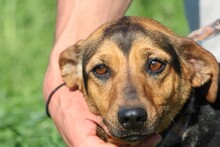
x=133 y=138
x=124 y=137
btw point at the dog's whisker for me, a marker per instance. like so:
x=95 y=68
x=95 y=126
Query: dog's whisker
x=172 y=119
x=156 y=132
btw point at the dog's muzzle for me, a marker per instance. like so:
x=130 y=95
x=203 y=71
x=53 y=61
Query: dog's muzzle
x=132 y=120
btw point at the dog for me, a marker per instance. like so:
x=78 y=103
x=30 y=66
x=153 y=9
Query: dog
x=143 y=79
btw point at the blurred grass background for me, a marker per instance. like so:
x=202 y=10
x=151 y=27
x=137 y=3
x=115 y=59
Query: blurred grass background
x=26 y=37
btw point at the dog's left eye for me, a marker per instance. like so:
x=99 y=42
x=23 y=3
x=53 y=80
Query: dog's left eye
x=156 y=66
x=101 y=71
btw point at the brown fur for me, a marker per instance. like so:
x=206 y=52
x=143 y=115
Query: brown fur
x=130 y=84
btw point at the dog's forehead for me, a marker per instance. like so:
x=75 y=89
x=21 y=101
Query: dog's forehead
x=126 y=31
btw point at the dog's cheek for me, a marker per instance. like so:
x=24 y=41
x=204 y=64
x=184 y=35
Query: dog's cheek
x=170 y=97
x=91 y=98
x=96 y=96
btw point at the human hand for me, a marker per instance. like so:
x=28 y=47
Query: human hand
x=74 y=121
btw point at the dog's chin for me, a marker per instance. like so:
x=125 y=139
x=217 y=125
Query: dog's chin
x=133 y=138
x=127 y=140
x=121 y=138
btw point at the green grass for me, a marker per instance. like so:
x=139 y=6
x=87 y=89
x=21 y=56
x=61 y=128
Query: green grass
x=26 y=37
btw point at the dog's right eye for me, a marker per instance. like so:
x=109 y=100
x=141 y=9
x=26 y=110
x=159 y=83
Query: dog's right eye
x=101 y=71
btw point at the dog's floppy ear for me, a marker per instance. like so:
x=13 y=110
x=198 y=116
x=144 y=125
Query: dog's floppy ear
x=203 y=65
x=71 y=65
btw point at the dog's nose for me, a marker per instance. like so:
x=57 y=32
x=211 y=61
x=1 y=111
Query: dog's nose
x=132 y=119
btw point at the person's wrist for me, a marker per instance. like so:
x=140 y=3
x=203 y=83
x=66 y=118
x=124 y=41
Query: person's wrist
x=52 y=80
x=53 y=76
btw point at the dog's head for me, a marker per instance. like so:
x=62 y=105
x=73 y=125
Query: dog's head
x=136 y=74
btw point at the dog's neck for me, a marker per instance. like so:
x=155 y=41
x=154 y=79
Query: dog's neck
x=173 y=135
x=190 y=116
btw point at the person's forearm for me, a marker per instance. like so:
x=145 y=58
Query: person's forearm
x=79 y=18
x=76 y=19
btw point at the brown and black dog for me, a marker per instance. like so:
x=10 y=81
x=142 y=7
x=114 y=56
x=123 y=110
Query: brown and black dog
x=143 y=79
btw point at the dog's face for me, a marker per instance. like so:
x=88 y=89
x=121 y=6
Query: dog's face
x=136 y=74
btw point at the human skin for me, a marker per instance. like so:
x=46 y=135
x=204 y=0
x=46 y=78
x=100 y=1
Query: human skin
x=76 y=19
